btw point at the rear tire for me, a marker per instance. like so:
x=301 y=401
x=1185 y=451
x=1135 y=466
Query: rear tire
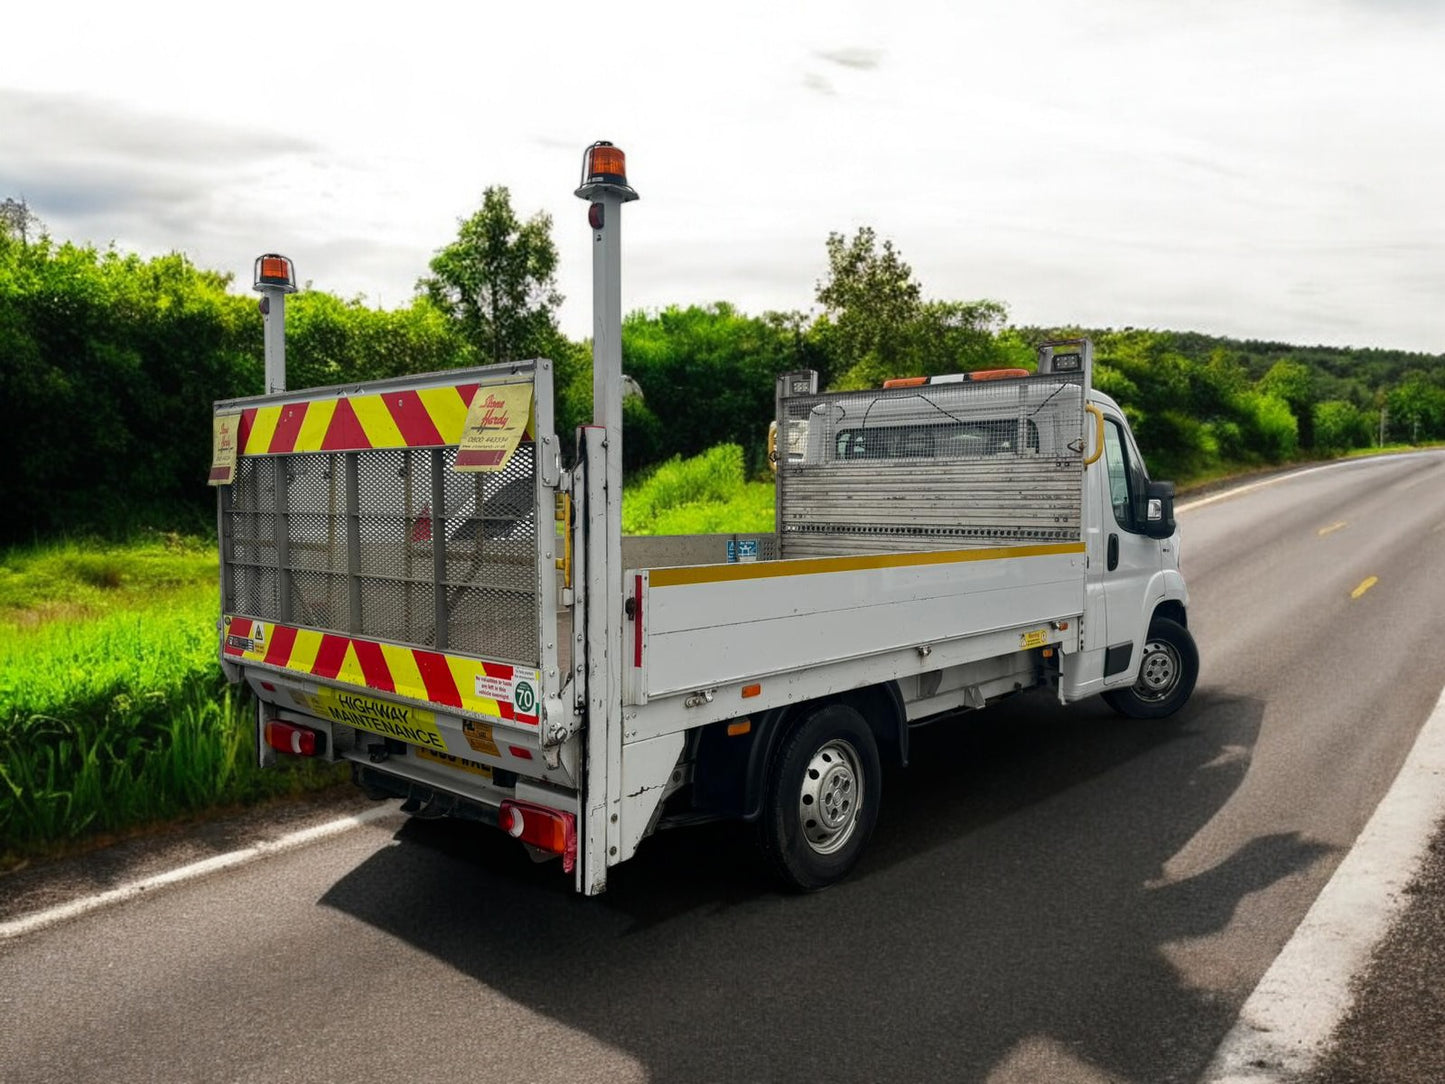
x=1167 y=673
x=821 y=799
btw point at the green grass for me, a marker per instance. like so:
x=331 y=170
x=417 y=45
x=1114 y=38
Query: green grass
x=706 y=494
x=78 y=578
x=113 y=710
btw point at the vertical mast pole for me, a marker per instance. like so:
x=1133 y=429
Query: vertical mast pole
x=604 y=186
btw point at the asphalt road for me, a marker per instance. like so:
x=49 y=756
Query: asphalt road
x=1052 y=894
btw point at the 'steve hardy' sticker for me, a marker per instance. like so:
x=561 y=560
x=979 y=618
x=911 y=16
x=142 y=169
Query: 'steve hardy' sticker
x=225 y=433
x=495 y=423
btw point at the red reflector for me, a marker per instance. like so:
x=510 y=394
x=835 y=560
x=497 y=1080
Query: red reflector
x=544 y=828
x=299 y=740
x=519 y=752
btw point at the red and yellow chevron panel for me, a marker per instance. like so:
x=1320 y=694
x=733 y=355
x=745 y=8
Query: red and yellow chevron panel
x=420 y=418
x=495 y=689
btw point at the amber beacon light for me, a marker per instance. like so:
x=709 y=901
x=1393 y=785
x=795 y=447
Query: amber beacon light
x=276 y=271
x=604 y=169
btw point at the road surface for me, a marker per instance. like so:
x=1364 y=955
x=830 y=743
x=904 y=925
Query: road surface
x=1052 y=894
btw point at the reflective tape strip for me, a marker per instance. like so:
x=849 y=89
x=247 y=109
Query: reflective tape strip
x=452 y=681
x=424 y=418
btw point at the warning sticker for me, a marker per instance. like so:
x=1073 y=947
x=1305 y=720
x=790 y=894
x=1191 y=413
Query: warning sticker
x=1037 y=638
x=519 y=690
x=378 y=716
x=495 y=423
x=225 y=433
x=479 y=737
x=493 y=688
x=450 y=761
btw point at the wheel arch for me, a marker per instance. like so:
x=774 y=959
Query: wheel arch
x=732 y=771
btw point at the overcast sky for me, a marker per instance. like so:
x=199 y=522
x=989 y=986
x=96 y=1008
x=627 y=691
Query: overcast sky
x=1242 y=167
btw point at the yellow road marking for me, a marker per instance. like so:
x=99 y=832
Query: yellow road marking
x=1331 y=528
x=1365 y=586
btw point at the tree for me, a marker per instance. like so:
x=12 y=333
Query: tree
x=17 y=219
x=879 y=325
x=1293 y=382
x=871 y=299
x=1417 y=408
x=1340 y=425
x=497 y=280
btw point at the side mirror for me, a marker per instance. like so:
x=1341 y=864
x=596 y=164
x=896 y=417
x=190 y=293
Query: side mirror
x=1157 y=518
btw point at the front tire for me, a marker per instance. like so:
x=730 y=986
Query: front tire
x=822 y=797
x=1167 y=673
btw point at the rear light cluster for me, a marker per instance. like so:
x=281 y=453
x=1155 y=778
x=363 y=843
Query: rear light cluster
x=545 y=829
x=289 y=738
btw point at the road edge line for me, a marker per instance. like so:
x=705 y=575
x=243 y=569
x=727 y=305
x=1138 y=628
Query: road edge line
x=1287 y=1022
x=39 y=920
x=1289 y=475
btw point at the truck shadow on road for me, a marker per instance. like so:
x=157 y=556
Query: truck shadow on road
x=1014 y=904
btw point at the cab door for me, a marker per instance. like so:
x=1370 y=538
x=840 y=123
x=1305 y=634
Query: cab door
x=1132 y=560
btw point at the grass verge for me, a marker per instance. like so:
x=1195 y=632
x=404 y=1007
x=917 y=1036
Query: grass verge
x=113 y=711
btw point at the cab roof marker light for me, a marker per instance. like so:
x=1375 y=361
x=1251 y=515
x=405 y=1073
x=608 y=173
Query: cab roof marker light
x=955 y=378
x=998 y=374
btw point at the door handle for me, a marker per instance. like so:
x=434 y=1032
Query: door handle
x=1113 y=552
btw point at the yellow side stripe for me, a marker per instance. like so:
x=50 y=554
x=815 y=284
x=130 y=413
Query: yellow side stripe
x=808 y=566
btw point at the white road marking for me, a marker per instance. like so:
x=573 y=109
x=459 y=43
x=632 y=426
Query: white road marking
x=1286 y=1023
x=1276 y=479
x=39 y=920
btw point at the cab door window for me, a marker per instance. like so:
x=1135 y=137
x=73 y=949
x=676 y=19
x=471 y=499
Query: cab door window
x=1126 y=478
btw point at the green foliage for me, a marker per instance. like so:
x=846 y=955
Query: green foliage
x=18 y=221
x=877 y=324
x=1274 y=433
x=1417 y=407
x=703 y=494
x=1293 y=383
x=871 y=296
x=1340 y=426
x=110 y=363
x=707 y=376
x=121 y=716
x=75 y=579
x=330 y=341
x=497 y=280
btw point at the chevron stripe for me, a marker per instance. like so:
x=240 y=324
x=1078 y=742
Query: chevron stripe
x=437 y=678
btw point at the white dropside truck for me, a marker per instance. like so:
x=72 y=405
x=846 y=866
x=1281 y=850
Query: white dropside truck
x=412 y=581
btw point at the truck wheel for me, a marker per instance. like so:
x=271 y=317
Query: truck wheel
x=822 y=796
x=1166 y=674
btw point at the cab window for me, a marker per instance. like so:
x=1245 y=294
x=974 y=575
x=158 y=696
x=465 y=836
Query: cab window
x=1125 y=477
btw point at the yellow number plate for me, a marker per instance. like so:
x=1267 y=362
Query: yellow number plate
x=452 y=761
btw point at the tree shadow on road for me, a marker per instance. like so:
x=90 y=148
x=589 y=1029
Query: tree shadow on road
x=1013 y=895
